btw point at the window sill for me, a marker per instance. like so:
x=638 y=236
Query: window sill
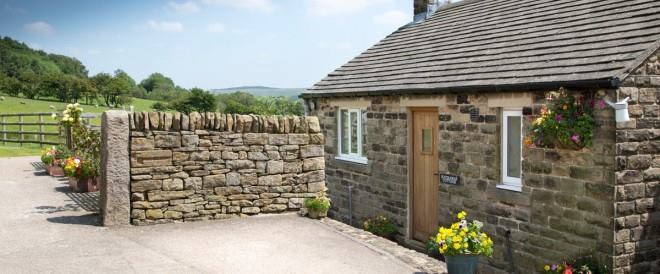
x=357 y=160
x=510 y=187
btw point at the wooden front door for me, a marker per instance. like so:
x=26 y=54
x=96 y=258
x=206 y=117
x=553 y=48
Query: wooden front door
x=424 y=173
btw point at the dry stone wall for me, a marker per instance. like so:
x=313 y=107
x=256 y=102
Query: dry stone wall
x=215 y=166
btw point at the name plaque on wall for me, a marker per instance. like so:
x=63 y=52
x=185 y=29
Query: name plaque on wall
x=449 y=179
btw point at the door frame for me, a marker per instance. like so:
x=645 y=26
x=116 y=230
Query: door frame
x=409 y=150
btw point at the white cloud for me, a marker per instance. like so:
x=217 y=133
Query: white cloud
x=39 y=27
x=185 y=7
x=216 y=28
x=393 y=18
x=165 y=26
x=259 y=5
x=339 y=7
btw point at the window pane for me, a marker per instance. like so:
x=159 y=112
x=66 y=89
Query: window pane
x=364 y=134
x=427 y=141
x=344 y=131
x=514 y=146
x=354 y=133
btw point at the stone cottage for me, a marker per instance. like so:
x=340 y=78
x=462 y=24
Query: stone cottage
x=433 y=119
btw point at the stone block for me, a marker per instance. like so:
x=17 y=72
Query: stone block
x=249 y=179
x=293 y=167
x=240 y=164
x=311 y=151
x=200 y=156
x=270 y=180
x=298 y=139
x=168 y=141
x=154 y=214
x=230 y=190
x=257 y=156
x=190 y=140
x=139 y=214
x=151 y=158
x=115 y=168
x=278 y=139
x=317 y=163
x=295 y=203
x=313 y=124
x=316 y=139
x=243 y=197
x=157 y=195
x=250 y=210
x=316 y=186
x=214 y=181
x=229 y=155
x=271 y=208
x=233 y=179
x=138 y=144
x=142 y=186
x=255 y=138
x=275 y=167
x=172 y=184
x=148 y=205
x=193 y=183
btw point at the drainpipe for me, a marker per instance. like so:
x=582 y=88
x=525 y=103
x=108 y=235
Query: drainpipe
x=509 y=252
x=350 y=205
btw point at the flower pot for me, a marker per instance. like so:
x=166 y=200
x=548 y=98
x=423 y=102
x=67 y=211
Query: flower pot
x=316 y=214
x=55 y=171
x=462 y=264
x=82 y=185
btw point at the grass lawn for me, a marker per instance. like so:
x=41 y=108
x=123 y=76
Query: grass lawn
x=11 y=150
x=23 y=105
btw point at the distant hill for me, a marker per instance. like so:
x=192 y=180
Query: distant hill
x=17 y=60
x=263 y=91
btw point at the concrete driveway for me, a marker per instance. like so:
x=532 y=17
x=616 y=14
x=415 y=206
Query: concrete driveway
x=44 y=228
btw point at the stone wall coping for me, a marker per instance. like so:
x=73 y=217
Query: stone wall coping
x=222 y=122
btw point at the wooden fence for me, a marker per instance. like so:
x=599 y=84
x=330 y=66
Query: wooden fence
x=41 y=128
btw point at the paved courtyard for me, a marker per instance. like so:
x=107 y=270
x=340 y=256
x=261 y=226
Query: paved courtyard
x=44 y=228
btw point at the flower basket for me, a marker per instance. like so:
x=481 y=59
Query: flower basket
x=463 y=264
x=55 y=171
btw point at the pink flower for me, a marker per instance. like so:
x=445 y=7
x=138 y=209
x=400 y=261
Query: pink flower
x=601 y=104
x=575 y=138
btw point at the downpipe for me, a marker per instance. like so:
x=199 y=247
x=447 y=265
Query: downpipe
x=350 y=205
x=509 y=252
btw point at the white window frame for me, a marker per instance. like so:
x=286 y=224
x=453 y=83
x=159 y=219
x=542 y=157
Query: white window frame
x=510 y=183
x=351 y=157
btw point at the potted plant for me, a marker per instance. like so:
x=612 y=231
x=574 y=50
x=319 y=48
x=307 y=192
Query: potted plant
x=462 y=244
x=317 y=207
x=49 y=158
x=381 y=226
x=81 y=173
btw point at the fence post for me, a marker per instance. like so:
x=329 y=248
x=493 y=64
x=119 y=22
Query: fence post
x=41 y=131
x=4 y=131
x=115 y=196
x=20 y=128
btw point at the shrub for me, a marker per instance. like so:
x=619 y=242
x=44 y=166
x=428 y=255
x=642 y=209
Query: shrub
x=160 y=106
x=318 y=204
x=381 y=226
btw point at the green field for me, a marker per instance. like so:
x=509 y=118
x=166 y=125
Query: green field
x=22 y=105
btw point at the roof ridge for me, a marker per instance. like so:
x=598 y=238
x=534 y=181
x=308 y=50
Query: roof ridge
x=639 y=61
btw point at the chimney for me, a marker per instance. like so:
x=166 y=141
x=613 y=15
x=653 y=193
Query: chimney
x=425 y=8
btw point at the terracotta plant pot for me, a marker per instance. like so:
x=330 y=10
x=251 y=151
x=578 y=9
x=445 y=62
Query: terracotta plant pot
x=55 y=171
x=82 y=185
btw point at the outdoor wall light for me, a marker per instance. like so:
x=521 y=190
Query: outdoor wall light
x=621 y=109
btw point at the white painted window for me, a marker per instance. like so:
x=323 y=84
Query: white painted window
x=511 y=149
x=351 y=136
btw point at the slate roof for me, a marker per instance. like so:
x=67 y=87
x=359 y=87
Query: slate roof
x=500 y=44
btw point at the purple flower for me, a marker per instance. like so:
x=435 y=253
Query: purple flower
x=558 y=117
x=575 y=138
x=554 y=267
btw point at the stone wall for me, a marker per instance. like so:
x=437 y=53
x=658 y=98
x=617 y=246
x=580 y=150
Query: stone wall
x=637 y=225
x=214 y=166
x=566 y=205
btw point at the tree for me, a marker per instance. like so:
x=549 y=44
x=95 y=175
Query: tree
x=115 y=90
x=246 y=103
x=31 y=82
x=198 y=100
x=156 y=82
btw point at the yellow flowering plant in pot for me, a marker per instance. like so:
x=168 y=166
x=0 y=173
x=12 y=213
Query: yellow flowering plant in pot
x=462 y=243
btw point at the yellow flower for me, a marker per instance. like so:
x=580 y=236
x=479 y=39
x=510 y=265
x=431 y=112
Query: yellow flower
x=473 y=234
x=565 y=107
x=462 y=233
x=546 y=267
x=461 y=215
x=457 y=245
x=465 y=245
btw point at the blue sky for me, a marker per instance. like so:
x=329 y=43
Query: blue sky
x=207 y=43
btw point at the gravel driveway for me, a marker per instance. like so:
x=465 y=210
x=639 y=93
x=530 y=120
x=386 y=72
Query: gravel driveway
x=44 y=228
